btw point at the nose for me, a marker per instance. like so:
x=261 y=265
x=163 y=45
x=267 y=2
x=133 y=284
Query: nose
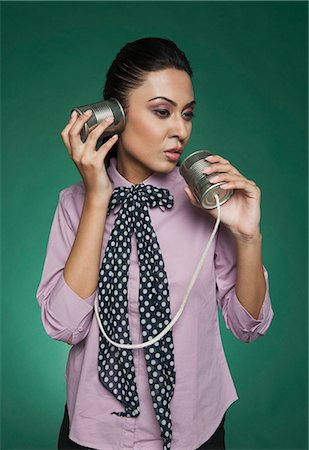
x=180 y=128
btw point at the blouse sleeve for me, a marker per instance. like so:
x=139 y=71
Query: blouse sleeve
x=65 y=315
x=236 y=317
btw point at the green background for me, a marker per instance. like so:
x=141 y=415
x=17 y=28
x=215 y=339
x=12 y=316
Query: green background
x=250 y=79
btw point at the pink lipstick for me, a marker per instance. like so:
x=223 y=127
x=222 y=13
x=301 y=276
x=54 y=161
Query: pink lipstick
x=173 y=154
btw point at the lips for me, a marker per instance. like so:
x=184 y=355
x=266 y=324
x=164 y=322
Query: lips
x=174 y=153
x=175 y=150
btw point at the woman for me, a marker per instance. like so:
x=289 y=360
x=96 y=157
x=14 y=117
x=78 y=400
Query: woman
x=130 y=221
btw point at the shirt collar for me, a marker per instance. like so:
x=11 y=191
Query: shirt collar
x=160 y=180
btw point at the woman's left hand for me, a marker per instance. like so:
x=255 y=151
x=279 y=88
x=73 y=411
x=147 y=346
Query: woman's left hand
x=241 y=213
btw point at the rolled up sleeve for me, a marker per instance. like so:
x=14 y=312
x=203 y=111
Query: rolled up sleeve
x=237 y=319
x=65 y=316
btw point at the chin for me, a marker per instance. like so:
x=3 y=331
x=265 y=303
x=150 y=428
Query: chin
x=165 y=167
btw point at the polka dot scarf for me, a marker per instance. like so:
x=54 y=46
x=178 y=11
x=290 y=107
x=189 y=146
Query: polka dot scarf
x=115 y=365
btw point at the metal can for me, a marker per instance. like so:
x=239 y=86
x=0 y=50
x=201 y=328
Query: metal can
x=191 y=169
x=100 y=111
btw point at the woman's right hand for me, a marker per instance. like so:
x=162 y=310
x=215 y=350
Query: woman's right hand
x=89 y=161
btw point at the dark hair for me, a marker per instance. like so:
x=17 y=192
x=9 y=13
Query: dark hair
x=135 y=59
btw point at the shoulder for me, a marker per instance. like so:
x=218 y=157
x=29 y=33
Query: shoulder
x=70 y=205
x=73 y=194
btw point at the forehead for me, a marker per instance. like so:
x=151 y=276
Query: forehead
x=171 y=83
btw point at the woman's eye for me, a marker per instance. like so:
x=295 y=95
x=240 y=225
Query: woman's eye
x=188 y=115
x=162 y=113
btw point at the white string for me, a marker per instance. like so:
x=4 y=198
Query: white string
x=185 y=299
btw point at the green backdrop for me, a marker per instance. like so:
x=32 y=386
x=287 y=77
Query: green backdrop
x=250 y=80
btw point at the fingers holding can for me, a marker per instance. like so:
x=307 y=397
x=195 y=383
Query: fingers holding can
x=101 y=111
x=66 y=130
x=71 y=132
x=97 y=130
x=76 y=131
x=79 y=135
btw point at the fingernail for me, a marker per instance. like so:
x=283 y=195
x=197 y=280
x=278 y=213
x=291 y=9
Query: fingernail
x=88 y=112
x=109 y=120
x=73 y=114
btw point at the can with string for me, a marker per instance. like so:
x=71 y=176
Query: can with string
x=191 y=169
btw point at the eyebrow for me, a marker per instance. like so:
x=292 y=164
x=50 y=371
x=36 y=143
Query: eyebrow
x=171 y=101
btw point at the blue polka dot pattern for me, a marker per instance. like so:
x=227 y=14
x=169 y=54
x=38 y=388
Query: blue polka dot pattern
x=115 y=365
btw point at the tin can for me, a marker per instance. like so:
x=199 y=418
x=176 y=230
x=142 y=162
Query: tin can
x=191 y=169
x=101 y=111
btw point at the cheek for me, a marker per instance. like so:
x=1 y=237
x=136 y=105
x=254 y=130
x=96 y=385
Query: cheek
x=141 y=126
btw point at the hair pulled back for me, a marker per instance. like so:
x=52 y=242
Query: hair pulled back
x=135 y=59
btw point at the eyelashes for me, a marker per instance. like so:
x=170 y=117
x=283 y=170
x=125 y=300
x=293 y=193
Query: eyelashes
x=162 y=113
x=165 y=113
x=189 y=115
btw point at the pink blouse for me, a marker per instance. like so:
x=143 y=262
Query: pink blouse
x=204 y=386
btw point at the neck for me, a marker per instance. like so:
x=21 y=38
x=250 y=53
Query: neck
x=132 y=170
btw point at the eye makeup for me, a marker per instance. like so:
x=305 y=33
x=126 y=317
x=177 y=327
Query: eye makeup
x=188 y=115
x=164 y=109
x=162 y=113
